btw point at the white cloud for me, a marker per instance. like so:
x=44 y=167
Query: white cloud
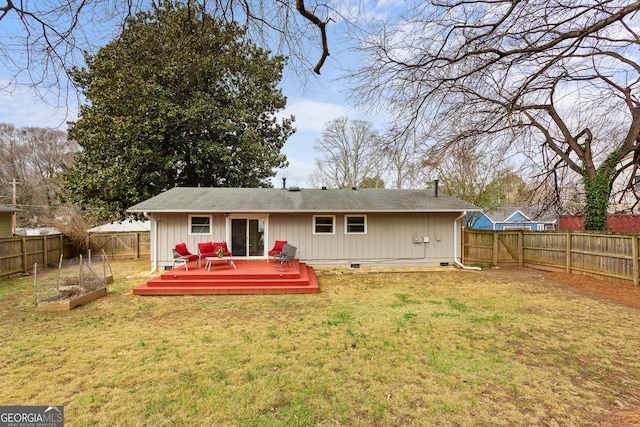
x=311 y=119
x=297 y=173
x=22 y=109
x=312 y=116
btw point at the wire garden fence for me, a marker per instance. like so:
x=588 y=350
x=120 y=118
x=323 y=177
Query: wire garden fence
x=71 y=282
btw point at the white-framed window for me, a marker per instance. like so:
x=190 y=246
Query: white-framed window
x=200 y=224
x=355 y=224
x=324 y=224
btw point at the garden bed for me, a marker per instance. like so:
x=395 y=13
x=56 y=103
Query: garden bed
x=69 y=301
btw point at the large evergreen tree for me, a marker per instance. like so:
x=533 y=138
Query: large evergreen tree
x=179 y=99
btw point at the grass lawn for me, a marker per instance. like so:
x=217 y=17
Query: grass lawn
x=453 y=348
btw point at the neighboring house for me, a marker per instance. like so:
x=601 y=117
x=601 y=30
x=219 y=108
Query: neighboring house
x=6 y=221
x=122 y=227
x=511 y=218
x=329 y=227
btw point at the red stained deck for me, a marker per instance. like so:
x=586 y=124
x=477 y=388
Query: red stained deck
x=250 y=277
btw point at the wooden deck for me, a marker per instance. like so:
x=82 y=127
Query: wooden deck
x=249 y=277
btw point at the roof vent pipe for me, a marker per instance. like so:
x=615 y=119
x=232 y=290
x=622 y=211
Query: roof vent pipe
x=284 y=182
x=435 y=188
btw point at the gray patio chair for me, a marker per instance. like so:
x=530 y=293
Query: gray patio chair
x=287 y=257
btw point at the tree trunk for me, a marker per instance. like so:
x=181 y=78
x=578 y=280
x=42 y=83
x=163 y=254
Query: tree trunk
x=597 y=204
x=598 y=191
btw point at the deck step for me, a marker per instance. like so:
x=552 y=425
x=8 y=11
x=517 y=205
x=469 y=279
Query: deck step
x=246 y=279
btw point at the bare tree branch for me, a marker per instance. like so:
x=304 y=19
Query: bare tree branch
x=44 y=40
x=323 y=32
x=560 y=79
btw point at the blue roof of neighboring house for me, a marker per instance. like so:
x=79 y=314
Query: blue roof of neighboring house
x=508 y=216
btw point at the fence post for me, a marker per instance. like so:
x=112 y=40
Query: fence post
x=24 y=255
x=46 y=252
x=495 y=249
x=136 y=245
x=520 y=248
x=567 y=267
x=634 y=252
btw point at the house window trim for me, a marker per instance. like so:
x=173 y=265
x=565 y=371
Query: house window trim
x=333 y=225
x=190 y=225
x=346 y=223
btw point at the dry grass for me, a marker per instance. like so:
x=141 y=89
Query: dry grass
x=438 y=348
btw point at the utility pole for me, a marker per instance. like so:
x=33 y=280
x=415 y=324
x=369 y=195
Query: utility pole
x=15 y=205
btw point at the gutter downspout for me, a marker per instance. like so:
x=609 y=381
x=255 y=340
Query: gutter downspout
x=456 y=260
x=154 y=249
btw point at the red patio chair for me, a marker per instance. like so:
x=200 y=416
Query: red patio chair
x=182 y=254
x=277 y=249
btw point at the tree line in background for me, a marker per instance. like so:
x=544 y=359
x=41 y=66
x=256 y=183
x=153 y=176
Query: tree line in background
x=554 y=85
x=354 y=154
x=35 y=159
x=40 y=159
x=557 y=81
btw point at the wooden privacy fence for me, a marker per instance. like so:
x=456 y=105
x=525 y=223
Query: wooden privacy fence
x=18 y=254
x=605 y=255
x=121 y=245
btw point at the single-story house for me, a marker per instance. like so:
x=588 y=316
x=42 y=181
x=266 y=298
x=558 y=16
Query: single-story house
x=6 y=220
x=329 y=227
x=510 y=218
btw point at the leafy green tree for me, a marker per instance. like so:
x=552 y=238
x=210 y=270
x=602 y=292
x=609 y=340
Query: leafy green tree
x=41 y=41
x=179 y=99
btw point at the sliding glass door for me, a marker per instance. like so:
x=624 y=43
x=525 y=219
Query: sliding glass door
x=247 y=237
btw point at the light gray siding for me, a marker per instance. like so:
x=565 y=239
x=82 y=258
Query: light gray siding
x=172 y=228
x=389 y=238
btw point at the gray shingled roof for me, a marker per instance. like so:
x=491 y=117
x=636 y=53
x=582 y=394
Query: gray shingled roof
x=186 y=199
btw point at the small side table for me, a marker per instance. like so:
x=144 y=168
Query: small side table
x=211 y=260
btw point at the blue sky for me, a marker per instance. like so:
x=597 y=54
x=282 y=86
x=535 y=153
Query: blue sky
x=312 y=106
x=321 y=100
